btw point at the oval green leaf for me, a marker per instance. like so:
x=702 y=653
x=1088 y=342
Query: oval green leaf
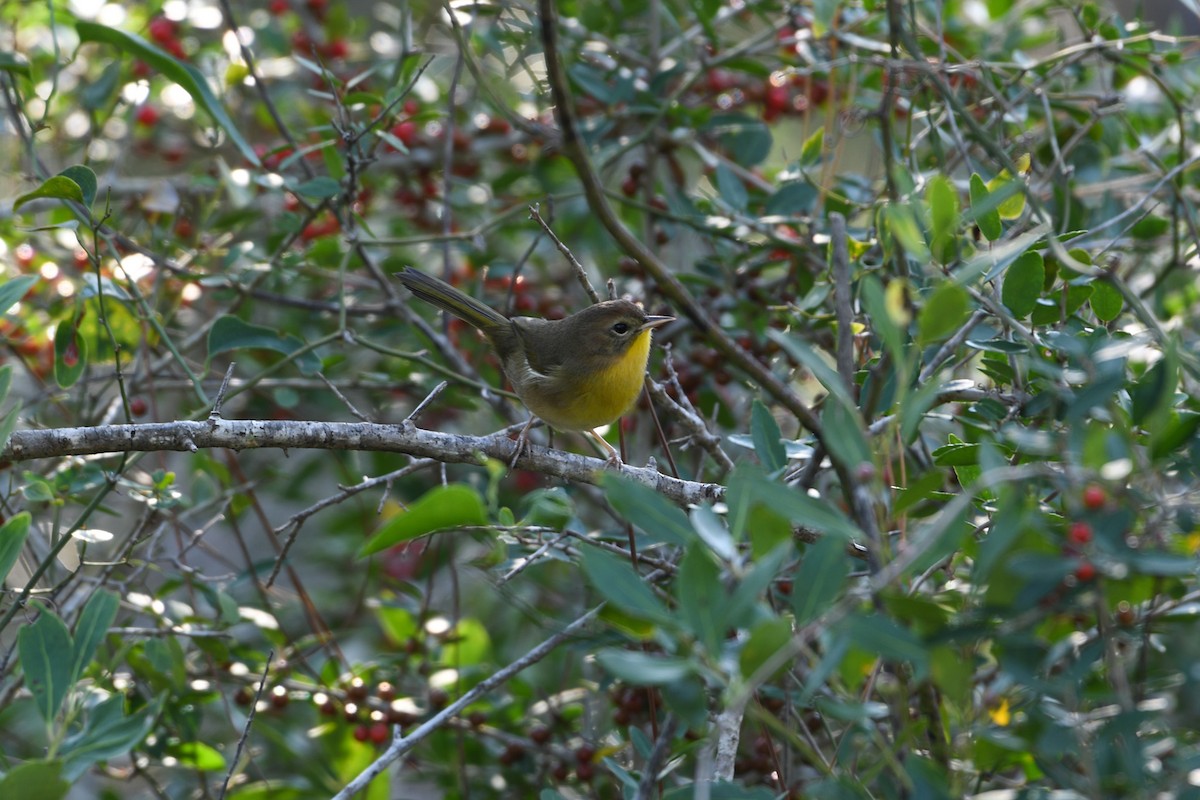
x=438 y=509
x=230 y=333
x=188 y=77
x=1023 y=284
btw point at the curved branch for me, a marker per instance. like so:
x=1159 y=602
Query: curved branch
x=575 y=150
x=188 y=436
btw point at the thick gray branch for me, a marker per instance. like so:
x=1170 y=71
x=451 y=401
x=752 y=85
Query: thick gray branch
x=291 y=434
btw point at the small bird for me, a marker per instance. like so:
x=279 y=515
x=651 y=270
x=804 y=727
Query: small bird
x=577 y=373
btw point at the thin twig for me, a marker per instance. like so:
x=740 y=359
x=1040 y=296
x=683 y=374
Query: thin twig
x=237 y=754
x=403 y=744
x=415 y=414
x=215 y=414
x=840 y=254
x=580 y=272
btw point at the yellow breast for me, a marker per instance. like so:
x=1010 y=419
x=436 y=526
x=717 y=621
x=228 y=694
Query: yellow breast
x=602 y=397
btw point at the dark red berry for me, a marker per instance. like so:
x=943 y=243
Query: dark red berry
x=1079 y=532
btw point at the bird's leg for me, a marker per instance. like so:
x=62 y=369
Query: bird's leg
x=522 y=440
x=614 y=458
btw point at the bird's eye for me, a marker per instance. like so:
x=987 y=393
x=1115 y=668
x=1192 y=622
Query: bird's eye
x=621 y=328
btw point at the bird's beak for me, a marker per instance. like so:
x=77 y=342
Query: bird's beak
x=654 y=322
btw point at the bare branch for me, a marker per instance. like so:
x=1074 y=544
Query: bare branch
x=186 y=436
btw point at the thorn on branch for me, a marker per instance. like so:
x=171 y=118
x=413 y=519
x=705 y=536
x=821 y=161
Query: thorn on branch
x=215 y=414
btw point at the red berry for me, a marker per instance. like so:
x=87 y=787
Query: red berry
x=406 y=132
x=585 y=753
x=1079 y=532
x=1086 y=571
x=720 y=80
x=777 y=98
x=147 y=116
x=356 y=690
x=137 y=406
x=1094 y=497
x=141 y=70
x=362 y=733
x=278 y=7
x=337 y=48
x=161 y=29
x=379 y=732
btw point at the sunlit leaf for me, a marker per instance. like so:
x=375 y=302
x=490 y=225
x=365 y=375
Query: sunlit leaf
x=439 y=509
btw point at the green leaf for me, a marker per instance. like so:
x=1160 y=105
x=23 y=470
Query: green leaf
x=986 y=216
x=1063 y=303
x=12 y=291
x=942 y=198
x=813 y=147
x=768 y=441
x=750 y=589
x=701 y=598
x=467 y=644
x=107 y=733
x=1154 y=390
x=57 y=188
x=5 y=383
x=230 y=333
x=653 y=514
x=750 y=486
x=589 y=81
x=35 y=780
x=888 y=639
x=319 y=188
x=85 y=179
x=12 y=538
x=792 y=199
x=95 y=620
x=45 y=648
x=97 y=94
x=945 y=310
x=1008 y=188
x=823 y=570
x=443 y=507
x=70 y=354
x=902 y=223
x=766 y=639
x=1150 y=227
x=730 y=188
x=1023 y=284
x=15 y=64
x=803 y=352
x=188 y=77
x=712 y=531
x=197 y=756
x=747 y=140
x=1106 y=301
x=883 y=323
x=844 y=432
x=617 y=583
x=644 y=669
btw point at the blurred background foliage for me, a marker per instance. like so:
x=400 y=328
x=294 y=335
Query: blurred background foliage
x=963 y=233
